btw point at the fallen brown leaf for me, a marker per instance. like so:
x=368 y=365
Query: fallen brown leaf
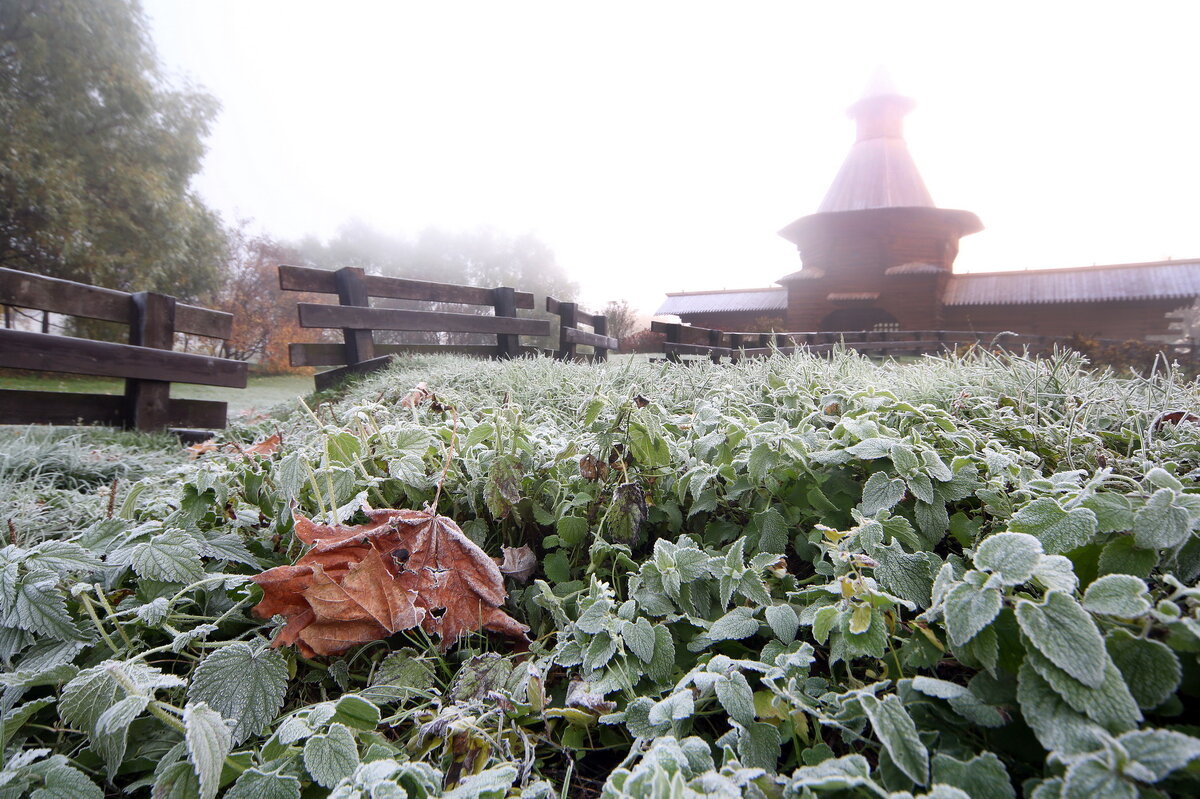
x=198 y=449
x=267 y=447
x=364 y=582
x=1175 y=417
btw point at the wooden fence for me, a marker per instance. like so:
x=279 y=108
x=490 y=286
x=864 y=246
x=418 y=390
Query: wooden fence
x=147 y=363
x=358 y=353
x=570 y=336
x=687 y=340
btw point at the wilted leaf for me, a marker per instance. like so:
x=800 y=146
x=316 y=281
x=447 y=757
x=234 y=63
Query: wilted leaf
x=419 y=393
x=518 y=563
x=592 y=469
x=362 y=583
x=579 y=696
x=502 y=490
x=628 y=513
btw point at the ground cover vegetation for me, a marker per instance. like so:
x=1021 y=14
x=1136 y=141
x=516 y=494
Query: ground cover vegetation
x=969 y=577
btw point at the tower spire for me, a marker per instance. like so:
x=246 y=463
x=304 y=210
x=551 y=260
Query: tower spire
x=878 y=172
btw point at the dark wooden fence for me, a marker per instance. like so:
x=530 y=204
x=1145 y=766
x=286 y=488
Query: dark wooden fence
x=359 y=353
x=147 y=362
x=687 y=340
x=570 y=336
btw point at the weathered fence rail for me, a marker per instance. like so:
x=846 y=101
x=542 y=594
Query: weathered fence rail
x=147 y=362
x=359 y=353
x=570 y=336
x=687 y=340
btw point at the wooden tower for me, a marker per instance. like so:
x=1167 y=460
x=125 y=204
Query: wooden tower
x=878 y=252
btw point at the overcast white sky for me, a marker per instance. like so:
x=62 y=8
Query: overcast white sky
x=659 y=146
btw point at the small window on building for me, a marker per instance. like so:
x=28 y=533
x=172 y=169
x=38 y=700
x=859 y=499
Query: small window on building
x=886 y=327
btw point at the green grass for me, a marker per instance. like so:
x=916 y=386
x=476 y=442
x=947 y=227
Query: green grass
x=261 y=394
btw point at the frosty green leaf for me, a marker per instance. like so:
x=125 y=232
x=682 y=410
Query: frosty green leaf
x=1117 y=595
x=1110 y=704
x=1161 y=523
x=759 y=746
x=1066 y=634
x=881 y=493
x=66 y=782
x=331 y=756
x=735 y=696
x=981 y=777
x=40 y=608
x=1058 y=529
x=1091 y=777
x=783 y=621
x=1160 y=751
x=969 y=609
x=676 y=707
x=244 y=683
x=1012 y=556
x=639 y=638
x=208 y=742
x=1056 y=725
x=736 y=624
x=254 y=783
x=896 y=731
x=1151 y=670
x=172 y=556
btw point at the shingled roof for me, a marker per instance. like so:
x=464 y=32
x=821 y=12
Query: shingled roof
x=1146 y=281
x=690 y=302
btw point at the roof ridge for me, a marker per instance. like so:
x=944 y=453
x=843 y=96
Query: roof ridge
x=1093 y=267
x=723 y=291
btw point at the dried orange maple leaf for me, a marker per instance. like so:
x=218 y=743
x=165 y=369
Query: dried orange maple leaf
x=201 y=447
x=362 y=583
x=267 y=447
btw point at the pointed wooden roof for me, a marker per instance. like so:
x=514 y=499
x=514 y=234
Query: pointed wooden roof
x=878 y=172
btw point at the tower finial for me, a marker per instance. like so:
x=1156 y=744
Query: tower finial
x=881 y=110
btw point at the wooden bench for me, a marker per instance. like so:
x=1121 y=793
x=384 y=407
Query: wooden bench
x=147 y=363
x=570 y=336
x=359 y=353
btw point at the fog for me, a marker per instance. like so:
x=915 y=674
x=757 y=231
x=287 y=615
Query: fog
x=659 y=146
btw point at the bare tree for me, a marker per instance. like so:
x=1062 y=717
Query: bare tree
x=622 y=319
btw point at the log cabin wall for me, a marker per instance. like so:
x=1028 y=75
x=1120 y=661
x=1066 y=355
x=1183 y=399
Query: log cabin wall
x=1119 y=319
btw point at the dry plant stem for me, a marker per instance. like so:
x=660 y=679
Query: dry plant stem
x=449 y=457
x=112 y=499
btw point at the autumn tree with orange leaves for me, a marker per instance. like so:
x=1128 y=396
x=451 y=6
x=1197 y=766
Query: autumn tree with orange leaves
x=264 y=316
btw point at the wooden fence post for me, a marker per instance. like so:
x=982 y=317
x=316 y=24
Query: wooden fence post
x=673 y=337
x=600 y=327
x=735 y=345
x=504 y=301
x=352 y=290
x=151 y=324
x=568 y=317
x=715 y=339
